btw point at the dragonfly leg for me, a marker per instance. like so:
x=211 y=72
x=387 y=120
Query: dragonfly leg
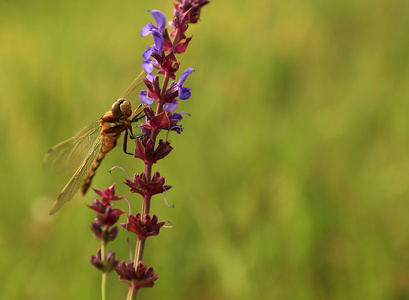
x=126 y=140
x=138 y=112
x=137 y=117
x=129 y=132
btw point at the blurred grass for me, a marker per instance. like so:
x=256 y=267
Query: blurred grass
x=290 y=179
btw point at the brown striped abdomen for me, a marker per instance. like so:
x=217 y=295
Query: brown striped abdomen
x=108 y=143
x=91 y=172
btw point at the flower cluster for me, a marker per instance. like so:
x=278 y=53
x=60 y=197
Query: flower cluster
x=101 y=227
x=162 y=56
x=184 y=7
x=138 y=277
x=105 y=265
x=145 y=227
x=147 y=189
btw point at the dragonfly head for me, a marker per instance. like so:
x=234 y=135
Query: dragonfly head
x=121 y=108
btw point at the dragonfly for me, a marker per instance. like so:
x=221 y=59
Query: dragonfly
x=84 y=152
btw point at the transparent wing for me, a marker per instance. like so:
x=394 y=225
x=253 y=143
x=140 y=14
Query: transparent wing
x=131 y=91
x=68 y=155
x=72 y=187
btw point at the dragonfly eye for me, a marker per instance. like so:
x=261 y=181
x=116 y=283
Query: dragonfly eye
x=121 y=108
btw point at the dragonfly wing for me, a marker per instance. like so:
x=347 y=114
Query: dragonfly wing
x=131 y=90
x=68 y=155
x=72 y=187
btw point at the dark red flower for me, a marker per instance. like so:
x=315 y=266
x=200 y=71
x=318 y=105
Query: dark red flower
x=106 y=216
x=161 y=151
x=180 y=22
x=170 y=65
x=181 y=47
x=108 y=264
x=153 y=88
x=193 y=5
x=140 y=149
x=171 y=92
x=149 y=112
x=143 y=228
x=158 y=122
x=145 y=152
x=140 y=185
x=136 y=279
x=108 y=194
x=167 y=43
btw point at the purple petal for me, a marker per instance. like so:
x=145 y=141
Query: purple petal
x=147 y=66
x=184 y=75
x=157 y=37
x=150 y=77
x=160 y=19
x=171 y=106
x=147 y=29
x=147 y=53
x=177 y=128
x=143 y=96
x=184 y=93
x=176 y=116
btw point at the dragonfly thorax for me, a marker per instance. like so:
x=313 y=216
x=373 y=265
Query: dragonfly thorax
x=121 y=108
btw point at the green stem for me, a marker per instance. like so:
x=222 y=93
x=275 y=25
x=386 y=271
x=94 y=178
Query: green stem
x=103 y=285
x=104 y=275
x=140 y=244
x=132 y=294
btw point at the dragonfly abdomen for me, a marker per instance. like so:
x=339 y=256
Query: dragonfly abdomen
x=107 y=145
x=91 y=172
x=111 y=130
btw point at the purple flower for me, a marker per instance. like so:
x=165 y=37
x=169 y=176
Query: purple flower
x=148 y=64
x=177 y=89
x=156 y=31
x=160 y=21
x=155 y=48
x=174 y=119
x=170 y=106
x=143 y=96
x=184 y=93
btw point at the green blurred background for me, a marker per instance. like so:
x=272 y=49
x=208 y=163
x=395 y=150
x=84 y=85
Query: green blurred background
x=290 y=179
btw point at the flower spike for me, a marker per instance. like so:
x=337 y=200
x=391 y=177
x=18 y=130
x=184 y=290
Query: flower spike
x=161 y=99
